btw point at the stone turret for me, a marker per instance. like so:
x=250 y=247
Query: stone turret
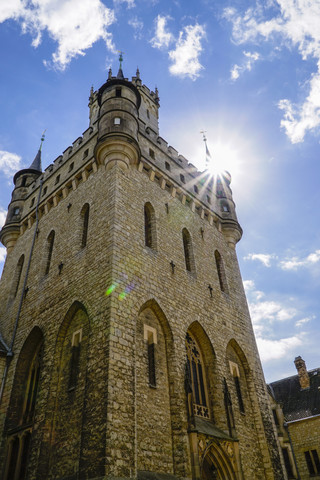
x=119 y=101
x=22 y=179
x=229 y=224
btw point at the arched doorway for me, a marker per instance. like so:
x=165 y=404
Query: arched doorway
x=216 y=465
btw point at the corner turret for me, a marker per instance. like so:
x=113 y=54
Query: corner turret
x=22 y=179
x=229 y=224
x=119 y=101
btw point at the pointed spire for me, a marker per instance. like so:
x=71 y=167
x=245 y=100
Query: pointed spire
x=138 y=73
x=36 y=164
x=120 y=72
x=110 y=74
x=91 y=95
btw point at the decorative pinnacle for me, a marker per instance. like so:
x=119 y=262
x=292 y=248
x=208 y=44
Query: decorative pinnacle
x=109 y=74
x=138 y=73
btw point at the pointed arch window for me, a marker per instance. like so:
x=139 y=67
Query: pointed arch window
x=236 y=378
x=149 y=226
x=50 y=242
x=188 y=251
x=84 y=224
x=195 y=369
x=17 y=276
x=25 y=389
x=221 y=272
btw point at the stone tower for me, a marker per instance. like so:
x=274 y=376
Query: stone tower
x=126 y=347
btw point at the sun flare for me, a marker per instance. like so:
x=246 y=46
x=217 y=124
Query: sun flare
x=223 y=157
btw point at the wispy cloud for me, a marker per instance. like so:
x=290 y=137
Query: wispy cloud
x=3 y=253
x=276 y=349
x=162 y=37
x=246 y=65
x=3 y=215
x=267 y=316
x=264 y=258
x=294 y=25
x=185 y=56
x=10 y=163
x=137 y=26
x=74 y=25
x=294 y=263
x=130 y=3
x=188 y=47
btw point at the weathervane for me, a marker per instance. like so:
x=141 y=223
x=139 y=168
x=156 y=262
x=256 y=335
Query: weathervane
x=42 y=138
x=120 y=58
x=208 y=156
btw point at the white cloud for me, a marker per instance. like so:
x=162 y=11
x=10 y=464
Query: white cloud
x=264 y=258
x=185 y=57
x=3 y=216
x=130 y=3
x=271 y=311
x=295 y=25
x=162 y=38
x=294 y=263
x=3 y=253
x=275 y=349
x=74 y=25
x=246 y=65
x=301 y=322
x=10 y=163
x=137 y=25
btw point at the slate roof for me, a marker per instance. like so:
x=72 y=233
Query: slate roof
x=298 y=403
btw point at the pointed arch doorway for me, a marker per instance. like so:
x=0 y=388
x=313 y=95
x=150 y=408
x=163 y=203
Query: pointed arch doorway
x=217 y=466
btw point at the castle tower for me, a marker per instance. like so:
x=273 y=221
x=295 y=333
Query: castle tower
x=131 y=346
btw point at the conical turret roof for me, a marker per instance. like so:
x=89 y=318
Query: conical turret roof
x=35 y=166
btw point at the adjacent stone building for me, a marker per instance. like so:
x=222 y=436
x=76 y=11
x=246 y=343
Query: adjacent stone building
x=127 y=349
x=296 y=410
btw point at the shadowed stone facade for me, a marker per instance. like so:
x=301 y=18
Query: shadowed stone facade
x=133 y=269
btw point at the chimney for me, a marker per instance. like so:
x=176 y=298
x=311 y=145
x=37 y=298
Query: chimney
x=302 y=372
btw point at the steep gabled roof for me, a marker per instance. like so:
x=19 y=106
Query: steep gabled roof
x=298 y=403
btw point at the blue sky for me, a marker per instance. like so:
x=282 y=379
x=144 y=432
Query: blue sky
x=246 y=72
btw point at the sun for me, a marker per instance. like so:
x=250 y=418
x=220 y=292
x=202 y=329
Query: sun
x=223 y=157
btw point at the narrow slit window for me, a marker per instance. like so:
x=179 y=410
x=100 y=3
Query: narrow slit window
x=182 y=179
x=84 y=224
x=150 y=335
x=50 y=242
x=149 y=226
x=167 y=165
x=118 y=92
x=75 y=359
x=221 y=272
x=86 y=153
x=188 y=252
x=151 y=153
x=287 y=463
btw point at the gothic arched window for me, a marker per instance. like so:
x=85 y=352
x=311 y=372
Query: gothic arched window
x=149 y=226
x=84 y=223
x=188 y=252
x=221 y=272
x=195 y=369
x=22 y=408
x=50 y=242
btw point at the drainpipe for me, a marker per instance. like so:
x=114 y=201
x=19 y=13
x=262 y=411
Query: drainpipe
x=286 y=426
x=10 y=352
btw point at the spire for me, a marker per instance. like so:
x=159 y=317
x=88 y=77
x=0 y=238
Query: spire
x=36 y=164
x=157 y=96
x=138 y=73
x=120 y=72
x=110 y=74
x=208 y=156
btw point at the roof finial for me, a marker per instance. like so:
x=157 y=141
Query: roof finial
x=42 y=139
x=208 y=156
x=120 y=73
x=138 y=73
